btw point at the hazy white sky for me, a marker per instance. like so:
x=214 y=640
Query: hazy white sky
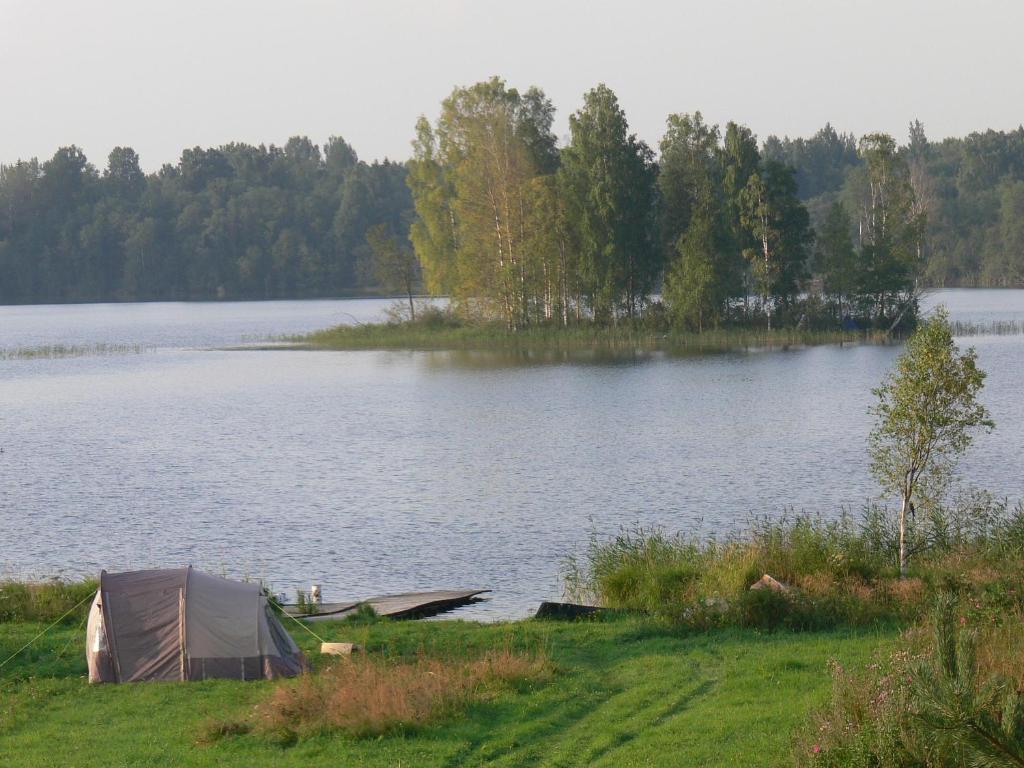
x=160 y=76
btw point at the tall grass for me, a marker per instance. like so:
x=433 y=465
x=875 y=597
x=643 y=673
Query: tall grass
x=44 y=601
x=368 y=695
x=836 y=570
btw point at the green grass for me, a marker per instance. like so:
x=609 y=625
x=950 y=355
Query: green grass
x=627 y=692
x=453 y=335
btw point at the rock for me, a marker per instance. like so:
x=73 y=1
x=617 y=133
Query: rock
x=767 y=582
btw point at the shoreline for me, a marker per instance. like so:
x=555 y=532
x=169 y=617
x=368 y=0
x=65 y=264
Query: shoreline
x=491 y=337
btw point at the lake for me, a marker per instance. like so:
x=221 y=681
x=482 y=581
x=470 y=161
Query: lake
x=385 y=471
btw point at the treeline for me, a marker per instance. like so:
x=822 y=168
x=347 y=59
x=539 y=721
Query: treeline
x=511 y=226
x=971 y=191
x=715 y=225
x=239 y=221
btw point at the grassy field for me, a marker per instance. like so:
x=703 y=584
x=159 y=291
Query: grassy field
x=626 y=692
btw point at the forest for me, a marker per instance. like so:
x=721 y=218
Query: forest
x=712 y=226
x=235 y=222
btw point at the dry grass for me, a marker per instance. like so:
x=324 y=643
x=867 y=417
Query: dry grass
x=907 y=592
x=1000 y=651
x=368 y=696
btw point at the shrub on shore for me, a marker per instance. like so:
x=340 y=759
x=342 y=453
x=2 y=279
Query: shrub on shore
x=841 y=571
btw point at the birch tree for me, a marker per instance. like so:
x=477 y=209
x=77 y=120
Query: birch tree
x=552 y=259
x=434 y=233
x=779 y=228
x=472 y=182
x=927 y=414
x=890 y=228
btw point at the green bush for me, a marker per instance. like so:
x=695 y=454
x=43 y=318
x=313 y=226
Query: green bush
x=764 y=609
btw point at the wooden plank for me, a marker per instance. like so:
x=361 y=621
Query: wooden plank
x=339 y=649
x=405 y=605
x=418 y=604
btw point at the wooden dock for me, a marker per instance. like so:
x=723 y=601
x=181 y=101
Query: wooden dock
x=407 y=605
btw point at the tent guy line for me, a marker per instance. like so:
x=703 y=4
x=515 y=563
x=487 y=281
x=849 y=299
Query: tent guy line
x=54 y=624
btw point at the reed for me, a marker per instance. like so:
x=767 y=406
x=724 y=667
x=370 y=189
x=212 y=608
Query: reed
x=990 y=328
x=57 y=351
x=449 y=333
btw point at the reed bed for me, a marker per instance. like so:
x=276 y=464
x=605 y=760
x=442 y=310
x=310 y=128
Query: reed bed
x=57 y=351
x=991 y=328
x=624 y=337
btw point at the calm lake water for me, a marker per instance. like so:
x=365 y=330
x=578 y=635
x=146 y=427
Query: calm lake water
x=371 y=472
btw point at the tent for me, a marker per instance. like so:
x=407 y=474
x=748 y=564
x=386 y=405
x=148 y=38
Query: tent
x=182 y=624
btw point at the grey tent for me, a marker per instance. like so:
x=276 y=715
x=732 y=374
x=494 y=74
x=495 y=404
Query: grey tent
x=182 y=624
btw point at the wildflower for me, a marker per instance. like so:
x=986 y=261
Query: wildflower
x=816 y=749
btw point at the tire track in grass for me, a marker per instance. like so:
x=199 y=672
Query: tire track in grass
x=609 y=754
x=643 y=701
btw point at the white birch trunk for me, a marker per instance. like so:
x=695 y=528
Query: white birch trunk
x=903 y=535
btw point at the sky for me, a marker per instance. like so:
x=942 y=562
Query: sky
x=162 y=76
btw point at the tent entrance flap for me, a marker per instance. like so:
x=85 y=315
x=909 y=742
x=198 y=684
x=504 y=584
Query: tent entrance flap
x=145 y=630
